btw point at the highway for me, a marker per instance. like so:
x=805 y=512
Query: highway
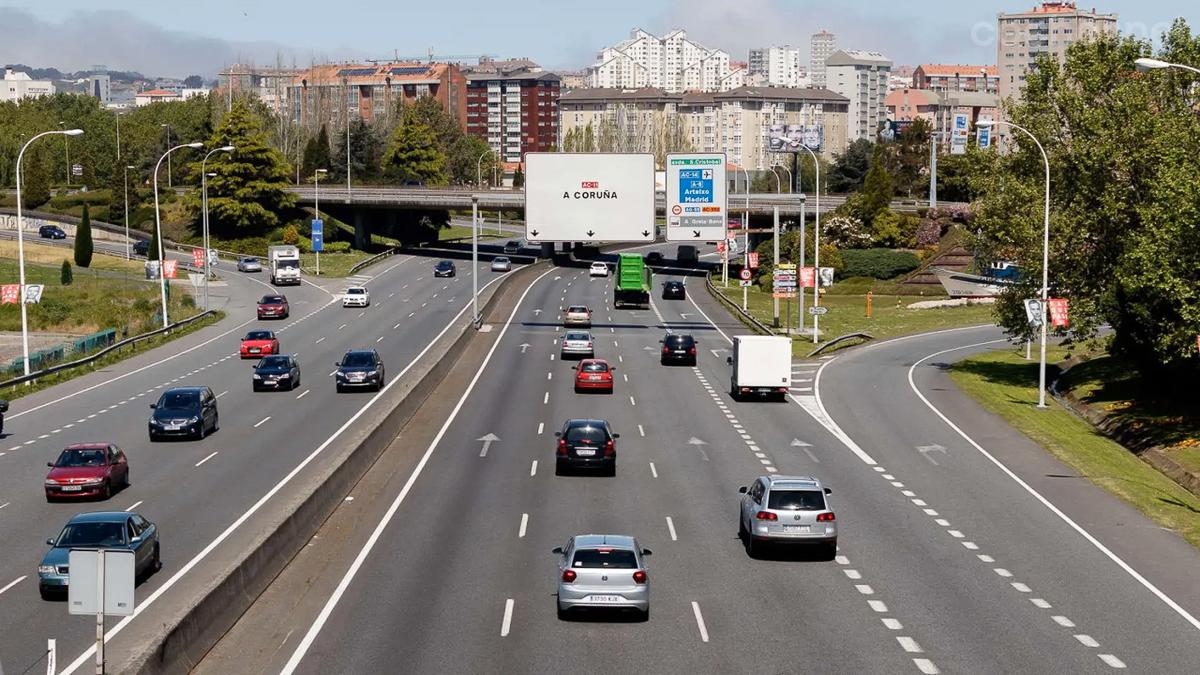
x=195 y=490
x=946 y=562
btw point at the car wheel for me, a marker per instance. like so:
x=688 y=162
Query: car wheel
x=753 y=548
x=742 y=533
x=201 y=430
x=830 y=550
x=125 y=481
x=106 y=493
x=156 y=562
x=563 y=615
x=46 y=594
x=153 y=438
x=341 y=389
x=644 y=616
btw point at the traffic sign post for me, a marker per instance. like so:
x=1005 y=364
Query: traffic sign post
x=696 y=197
x=102 y=583
x=318 y=241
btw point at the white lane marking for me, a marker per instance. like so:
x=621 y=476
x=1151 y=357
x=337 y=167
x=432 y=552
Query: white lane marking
x=134 y=505
x=549 y=376
x=910 y=645
x=653 y=472
x=380 y=339
x=1040 y=603
x=625 y=376
x=930 y=512
x=700 y=621
x=1087 y=640
x=893 y=624
x=4 y=504
x=262 y=421
x=507 y=622
x=983 y=557
x=541 y=428
x=533 y=468
x=1002 y=572
x=410 y=314
x=853 y=574
x=1020 y=587
x=546 y=398
x=1063 y=621
x=878 y=606
x=1166 y=599
x=926 y=666
x=970 y=545
x=864 y=589
x=919 y=502
x=671 y=529
x=333 y=372
x=841 y=560
x=524 y=524
x=13 y=583
x=1112 y=660
x=955 y=533
x=43 y=436
x=222 y=393
x=395 y=327
x=360 y=314
x=342 y=326
x=319 y=340
x=214 y=454
x=632 y=401
x=303 y=394
x=311 y=635
x=641 y=431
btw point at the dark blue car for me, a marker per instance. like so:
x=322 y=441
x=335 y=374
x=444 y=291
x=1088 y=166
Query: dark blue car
x=101 y=529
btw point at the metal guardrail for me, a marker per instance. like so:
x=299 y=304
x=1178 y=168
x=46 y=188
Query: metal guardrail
x=745 y=316
x=103 y=352
x=370 y=261
x=839 y=340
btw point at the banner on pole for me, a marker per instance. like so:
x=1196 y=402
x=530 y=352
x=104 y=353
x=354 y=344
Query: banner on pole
x=198 y=257
x=1058 y=312
x=1033 y=312
x=318 y=235
x=808 y=277
x=753 y=260
x=10 y=294
x=958 y=134
x=168 y=267
x=33 y=293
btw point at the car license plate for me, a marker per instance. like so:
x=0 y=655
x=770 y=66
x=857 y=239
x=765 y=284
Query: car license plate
x=72 y=488
x=680 y=351
x=171 y=427
x=254 y=350
x=797 y=528
x=604 y=599
x=585 y=452
x=595 y=378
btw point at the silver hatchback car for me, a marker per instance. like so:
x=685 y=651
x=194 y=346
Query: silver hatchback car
x=578 y=316
x=603 y=571
x=578 y=343
x=787 y=510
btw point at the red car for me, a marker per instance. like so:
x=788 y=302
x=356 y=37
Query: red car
x=258 y=343
x=87 y=470
x=273 y=307
x=593 y=375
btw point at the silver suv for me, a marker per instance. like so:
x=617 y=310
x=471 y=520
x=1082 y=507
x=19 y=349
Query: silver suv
x=602 y=571
x=787 y=510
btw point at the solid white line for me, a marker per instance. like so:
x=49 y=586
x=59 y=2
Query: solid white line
x=262 y=421
x=671 y=529
x=1036 y=495
x=237 y=524
x=700 y=621
x=13 y=583
x=524 y=524
x=1112 y=660
x=134 y=505
x=653 y=470
x=303 y=394
x=222 y=393
x=305 y=643
x=910 y=645
x=214 y=454
x=533 y=468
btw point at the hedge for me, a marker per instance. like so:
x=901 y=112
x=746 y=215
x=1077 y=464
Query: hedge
x=877 y=263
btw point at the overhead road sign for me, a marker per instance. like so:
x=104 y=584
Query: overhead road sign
x=593 y=197
x=696 y=197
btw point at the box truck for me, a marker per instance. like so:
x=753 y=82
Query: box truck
x=761 y=366
x=285 y=265
x=632 y=285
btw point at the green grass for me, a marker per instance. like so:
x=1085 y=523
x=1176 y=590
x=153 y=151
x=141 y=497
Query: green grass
x=463 y=232
x=333 y=264
x=847 y=312
x=1006 y=384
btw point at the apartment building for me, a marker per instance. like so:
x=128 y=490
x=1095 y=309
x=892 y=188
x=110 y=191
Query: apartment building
x=673 y=63
x=777 y=67
x=17 y=86
x=938 y=108
x=956 y=77
x=1049 y=28
x=514 y=111
x=269 y=84
x=862 y=77
x=327 y=94
x=821 y=46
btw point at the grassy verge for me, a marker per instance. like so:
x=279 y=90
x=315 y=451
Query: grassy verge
x=1006 y=384
x=15 y=392
x=889 y=318
x=43 y=254
x=334 y=264
x=463 y=232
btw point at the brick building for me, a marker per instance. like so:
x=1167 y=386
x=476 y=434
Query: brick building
x=326 y=94
x=515 y=112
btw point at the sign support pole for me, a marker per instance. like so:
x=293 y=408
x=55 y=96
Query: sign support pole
x=475 y=261
x=775 y=230
x=100 y=613
x=798 y=272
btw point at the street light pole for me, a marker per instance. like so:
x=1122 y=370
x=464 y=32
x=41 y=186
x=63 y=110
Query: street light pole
x=168 y=128
x=1145 y=65
x=128 y=252
x=67 y=149
x=1045 y=253
x=317 y=208
x=204 y=200
x=21 y=242
x=746 y=237
x=118 y=116
x=475 y=260
x=162 y=277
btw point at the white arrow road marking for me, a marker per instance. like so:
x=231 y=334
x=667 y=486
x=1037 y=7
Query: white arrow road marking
x=926 y=449
x=487 y=443
x=696 y=441
x=524 y=346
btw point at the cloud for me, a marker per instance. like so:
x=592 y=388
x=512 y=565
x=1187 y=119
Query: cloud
x=121 y=41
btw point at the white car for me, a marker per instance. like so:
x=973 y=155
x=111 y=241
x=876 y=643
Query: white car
x=356 y=296
x=501 y=264
x=598 y=269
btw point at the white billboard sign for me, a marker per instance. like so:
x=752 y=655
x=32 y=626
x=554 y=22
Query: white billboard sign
x=696 y=208
x=94 y=581
x=958 y=135
x=591 y=197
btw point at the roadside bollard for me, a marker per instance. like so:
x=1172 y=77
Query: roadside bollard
x=869 y=299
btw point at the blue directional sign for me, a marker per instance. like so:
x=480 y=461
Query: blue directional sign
x=696 y=197
x=695 y=186
x=318 y=235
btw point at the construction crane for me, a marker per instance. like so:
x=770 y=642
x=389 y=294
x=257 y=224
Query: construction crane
x=431 y=57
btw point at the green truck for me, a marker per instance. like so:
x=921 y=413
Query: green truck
x=633 y=281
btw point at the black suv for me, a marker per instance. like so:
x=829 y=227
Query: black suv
x=360 y=368
x=190 y=412
x=678 y=349
x=51 y=232
x=444 y=268
x=674 y=290
x=654 y=258
x=586 y=444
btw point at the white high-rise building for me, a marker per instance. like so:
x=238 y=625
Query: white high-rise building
x=1049 y=28
x=861 y=77
x=17 y=86
x=778 y=66
x=672 y=63
x=823 y=44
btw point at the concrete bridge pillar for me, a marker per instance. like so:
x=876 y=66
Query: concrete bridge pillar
x=360 y=231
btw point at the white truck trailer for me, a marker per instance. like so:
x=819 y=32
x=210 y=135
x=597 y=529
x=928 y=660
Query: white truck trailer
x=285 y=265
x=761 y=366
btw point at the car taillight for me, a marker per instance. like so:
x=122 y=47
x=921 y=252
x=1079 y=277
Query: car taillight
x=666 y=350
x=692 y=351
x=609 y=449
x=589 y=345
x=562 y=447
x=639 y=577
x=765 y=515
x=568 y=576
x=825 y=517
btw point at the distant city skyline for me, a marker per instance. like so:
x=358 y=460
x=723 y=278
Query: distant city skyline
x=159 y=39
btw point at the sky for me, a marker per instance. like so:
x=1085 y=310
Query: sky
x=182 y=37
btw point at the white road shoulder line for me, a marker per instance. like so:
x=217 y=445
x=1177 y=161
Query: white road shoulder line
x=13 y=583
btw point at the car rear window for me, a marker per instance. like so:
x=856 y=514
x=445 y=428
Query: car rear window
x=577 y=309
x=595 y=367
x=680 y=340
x=357 y=360
x=258 y=335
x=274 y=362
x=578 y=336
x=674 y=284
x=588 y=435
x=605 y=558
x=796 y=500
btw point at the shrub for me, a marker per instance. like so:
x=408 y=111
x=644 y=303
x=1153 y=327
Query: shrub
x=64 y=202
x=66 y=277
x=291 y=236
x=337 y=247
x=929 y=233
x=877 y=263
x=846 y=232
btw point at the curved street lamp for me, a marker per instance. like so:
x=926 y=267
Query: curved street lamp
x=1145 y=65
x=21 y=240
x=1045 y=253
x=204 y=202
x=162 y=277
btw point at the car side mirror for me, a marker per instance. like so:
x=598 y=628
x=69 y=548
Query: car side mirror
x=828 y=491
x=50 y=464
x=647 y=551
x=616 y=435
x=574 y=367
x=557 y=549
x=153 y=405
x=50 y=542
x=729 y=360
x=338 y=364
x=558 y=434
x=742 y=490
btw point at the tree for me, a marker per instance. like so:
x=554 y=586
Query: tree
x=850 y=168
x=877 y=188
x=366 y=150
x=587 y=141
x=316 y=153
x=65 y=275
x=193 y=82
x=427 y=111
x=519 y=178
x=291 y=236
x=413 y=155
x=909 y=156
x=116 y=200
x=83 y=240
x=35 y=181
x=249 y=191
x=152 y=252
x=570 y=140
x=463 y=161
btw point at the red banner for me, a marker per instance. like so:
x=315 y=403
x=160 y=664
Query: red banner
x=1058 y=312
x=753 y=260
x=198 y=257
x=169 y=269
x=10 y=294
x=808 y=277
x=720 y=247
